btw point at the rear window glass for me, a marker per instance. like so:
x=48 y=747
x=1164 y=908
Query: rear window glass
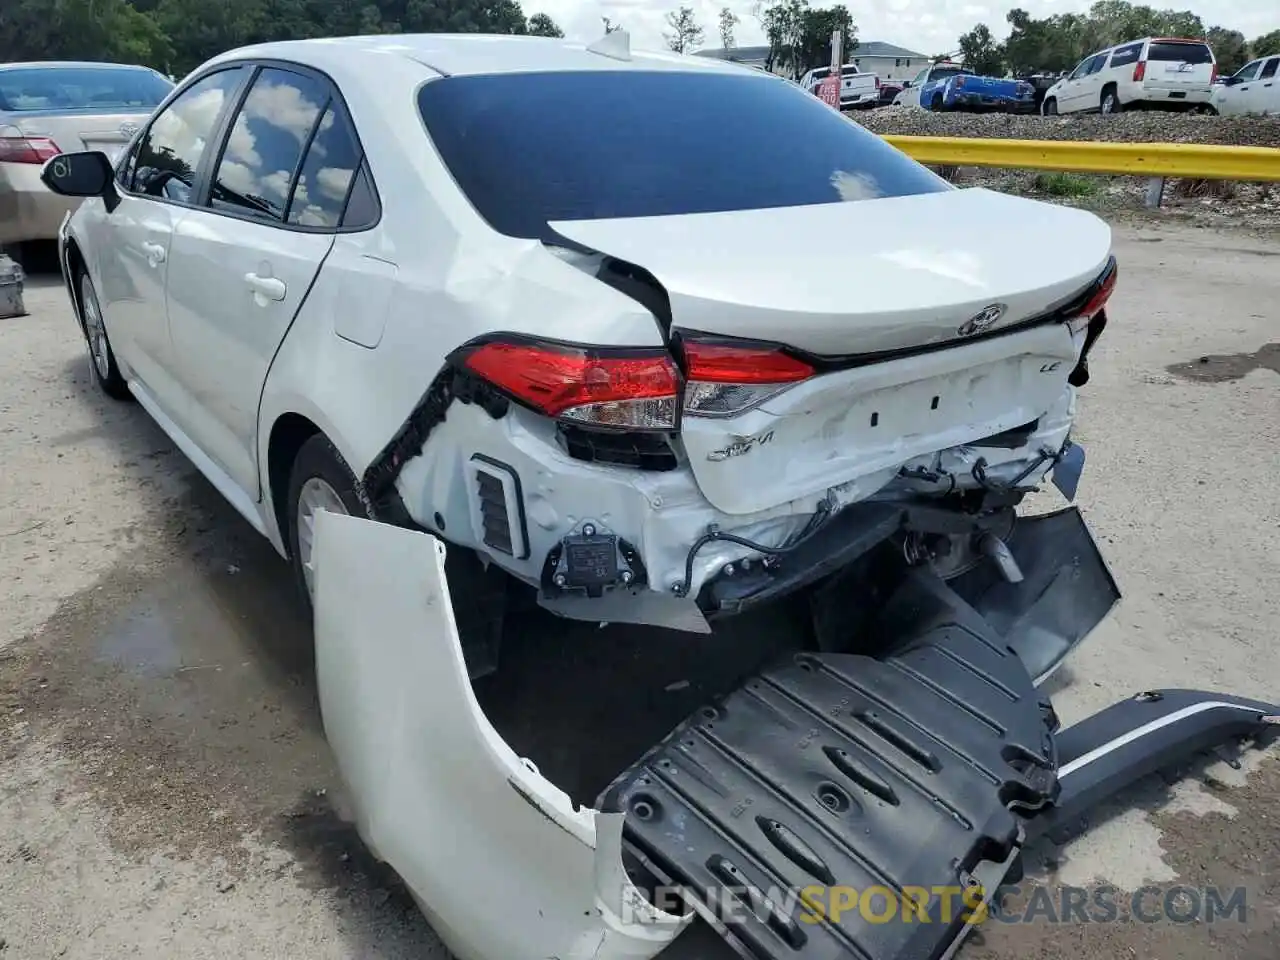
x=1180 y=52
x=81 y=88
x=531 y=148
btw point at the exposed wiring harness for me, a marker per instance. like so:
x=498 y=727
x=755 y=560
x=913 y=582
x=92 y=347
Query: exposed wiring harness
x=819 y=518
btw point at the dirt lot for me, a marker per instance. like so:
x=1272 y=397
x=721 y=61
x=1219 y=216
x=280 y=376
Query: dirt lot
x=165 y=790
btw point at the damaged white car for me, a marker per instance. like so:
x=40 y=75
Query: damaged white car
x=561 y=308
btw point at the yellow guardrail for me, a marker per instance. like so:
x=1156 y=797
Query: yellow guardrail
x=1255 y=164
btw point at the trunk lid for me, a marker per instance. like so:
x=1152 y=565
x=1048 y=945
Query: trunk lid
x=898 y=277
x=855 y=278
x=108 y=132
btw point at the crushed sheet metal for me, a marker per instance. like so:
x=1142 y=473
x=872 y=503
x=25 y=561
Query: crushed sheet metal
x=498 y=858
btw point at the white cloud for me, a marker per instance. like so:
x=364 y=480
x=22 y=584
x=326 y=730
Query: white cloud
x=925 y=26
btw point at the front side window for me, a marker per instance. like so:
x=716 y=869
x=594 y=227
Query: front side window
x=1079 y=71
x=646 y=144
x=1249 y=71
x=87 y=88
x=169 y=153
x=1097 y=63
x=273 y=127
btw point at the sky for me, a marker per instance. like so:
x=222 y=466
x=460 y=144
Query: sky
x=925 y=26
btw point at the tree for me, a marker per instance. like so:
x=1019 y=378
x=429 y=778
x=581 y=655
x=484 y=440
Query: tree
x=685 y=33
x=981 y=52
x=1267 y=45
x=541 y=25
x=800 y=36
x=1229 y=47
x=728 y=20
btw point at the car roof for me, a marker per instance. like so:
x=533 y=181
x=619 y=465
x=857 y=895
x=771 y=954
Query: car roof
x=71 y=65
x=471 y=54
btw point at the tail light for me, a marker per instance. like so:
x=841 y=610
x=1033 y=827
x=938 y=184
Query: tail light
x=27 y=149
x=1213 y=73
x=726 y=379
x=877 y=84
x=635 y=389
x=1100 y=293
x=1139 y=71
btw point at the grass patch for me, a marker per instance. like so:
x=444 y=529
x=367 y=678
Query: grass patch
x=1065 y=185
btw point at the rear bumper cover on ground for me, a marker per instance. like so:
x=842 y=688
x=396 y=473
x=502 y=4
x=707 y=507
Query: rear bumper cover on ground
x=919 y=771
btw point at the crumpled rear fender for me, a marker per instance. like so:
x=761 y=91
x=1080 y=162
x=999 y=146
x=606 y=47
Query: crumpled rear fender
x=498 y=858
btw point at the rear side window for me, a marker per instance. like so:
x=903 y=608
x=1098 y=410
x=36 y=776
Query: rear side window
x=325 y=178
x=81 y=88
x=169 y=153
x=529 y=149
x=1179 y=52
x=271 y=130
x=1126 y=55
x=1270 y=69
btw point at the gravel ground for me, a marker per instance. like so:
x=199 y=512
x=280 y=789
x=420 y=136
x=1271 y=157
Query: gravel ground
x=165 y=789
x=1253 y=207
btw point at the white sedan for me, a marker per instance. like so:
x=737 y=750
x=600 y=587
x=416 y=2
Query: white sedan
x=641 y=332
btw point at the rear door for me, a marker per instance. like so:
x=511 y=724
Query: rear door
x=1179 y=67
x=242 y=263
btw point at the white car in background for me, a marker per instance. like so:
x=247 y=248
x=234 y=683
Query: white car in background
x=1253 y=89
x=544 y=303
x=1155 y=73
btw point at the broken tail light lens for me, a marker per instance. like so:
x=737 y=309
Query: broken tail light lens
x=633 y=389
x=27 y=149
x=1100 y=293
x=725 y=379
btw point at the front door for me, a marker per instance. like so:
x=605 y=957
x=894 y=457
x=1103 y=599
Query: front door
x=155 y=183
x=243 y=262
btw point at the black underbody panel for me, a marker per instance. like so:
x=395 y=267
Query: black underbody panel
x=908 y=774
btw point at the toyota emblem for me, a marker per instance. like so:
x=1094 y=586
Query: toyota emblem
x=983 y=320
x=128 y=129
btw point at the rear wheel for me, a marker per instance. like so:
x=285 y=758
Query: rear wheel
x=320 y=481
x=102 y=361
x=1110 y=102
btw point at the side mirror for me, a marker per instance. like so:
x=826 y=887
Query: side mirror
x=85 y=174
x=1230 y=81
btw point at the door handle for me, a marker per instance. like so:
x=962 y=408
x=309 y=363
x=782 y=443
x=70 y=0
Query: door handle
x=154 y=252
x=269 y=287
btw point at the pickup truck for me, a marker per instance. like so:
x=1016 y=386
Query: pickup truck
x=949 y=86
x=858 y=90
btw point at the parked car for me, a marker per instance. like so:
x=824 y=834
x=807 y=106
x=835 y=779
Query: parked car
x=970 y=92
x=48 y=108
x=914 y=93
x=1041 y=82
x=383 y=287
x=1156 y=73
x=889 y=90
x=858 y=90
x=1253 y=89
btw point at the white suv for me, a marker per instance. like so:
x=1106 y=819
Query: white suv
x=1153 y=73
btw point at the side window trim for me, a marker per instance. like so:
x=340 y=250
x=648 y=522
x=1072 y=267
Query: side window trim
x=209 y=163
x=204 y=180
x=306 y=149
x=237 y=65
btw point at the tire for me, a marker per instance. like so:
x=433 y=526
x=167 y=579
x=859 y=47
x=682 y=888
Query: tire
x=320 y=478
x=102 y=360
x=1110 y=102
x=1051 y=107
x=936 y=104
